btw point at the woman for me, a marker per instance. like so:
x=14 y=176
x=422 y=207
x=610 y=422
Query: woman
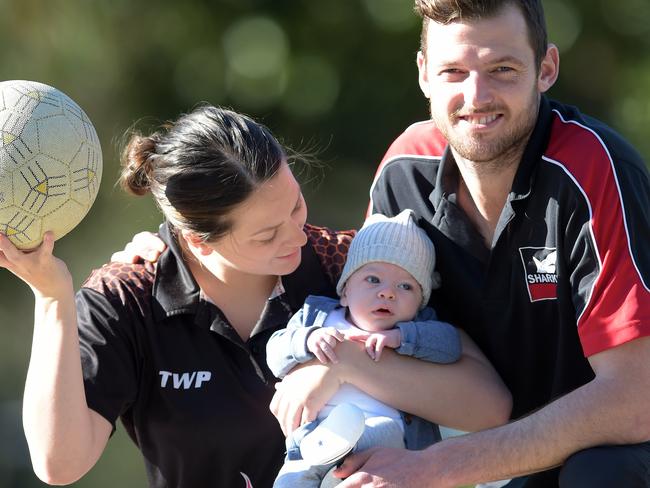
x=177 y=351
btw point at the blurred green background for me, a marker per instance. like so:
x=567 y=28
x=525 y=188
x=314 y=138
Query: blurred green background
x=335 y=78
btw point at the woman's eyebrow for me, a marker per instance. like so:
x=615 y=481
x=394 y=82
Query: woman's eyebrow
x=266 y=229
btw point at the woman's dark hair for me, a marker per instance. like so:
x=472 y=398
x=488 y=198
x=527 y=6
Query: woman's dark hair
x=448 y=11
x=201 y=167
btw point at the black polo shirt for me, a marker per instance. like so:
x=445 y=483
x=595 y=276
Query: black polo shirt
x=568 y=272
x=191 y=393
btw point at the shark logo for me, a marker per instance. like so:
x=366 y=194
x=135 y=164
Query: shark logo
x=247 y=480
x=546 y=265
x=539 y=265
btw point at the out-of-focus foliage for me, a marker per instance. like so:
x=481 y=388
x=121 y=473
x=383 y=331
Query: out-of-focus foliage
x=337 y=78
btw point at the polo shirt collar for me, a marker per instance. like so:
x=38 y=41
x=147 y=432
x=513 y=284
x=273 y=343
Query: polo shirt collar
x=524 y=178
x=446 y=180
x=175 y=290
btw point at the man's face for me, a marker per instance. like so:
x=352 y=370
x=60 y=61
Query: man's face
x=482 y=83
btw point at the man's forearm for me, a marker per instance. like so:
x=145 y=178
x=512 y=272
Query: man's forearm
x=601 y=412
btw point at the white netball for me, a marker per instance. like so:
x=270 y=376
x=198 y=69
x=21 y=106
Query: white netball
x=50 y=162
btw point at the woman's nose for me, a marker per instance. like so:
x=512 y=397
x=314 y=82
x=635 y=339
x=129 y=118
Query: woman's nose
x=298 y=236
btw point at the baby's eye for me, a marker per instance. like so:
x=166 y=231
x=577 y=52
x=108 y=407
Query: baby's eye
x=372 y=279
x=405 y=286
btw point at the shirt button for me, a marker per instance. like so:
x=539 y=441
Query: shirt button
x=407 y=419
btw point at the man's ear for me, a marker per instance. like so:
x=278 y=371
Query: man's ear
x=549 y=69
x=196 y=243
x=423 y=76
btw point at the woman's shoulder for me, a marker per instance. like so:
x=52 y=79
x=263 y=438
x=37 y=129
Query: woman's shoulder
x=117 y=280
x=331 y=248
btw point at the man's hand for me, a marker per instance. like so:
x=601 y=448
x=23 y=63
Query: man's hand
x=375 y=341
x=388 y=468
x=322 y=342
x=144 y=246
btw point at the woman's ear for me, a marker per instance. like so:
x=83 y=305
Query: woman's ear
x=196 y=243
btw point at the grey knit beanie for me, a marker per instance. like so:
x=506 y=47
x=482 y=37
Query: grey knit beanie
x=397 y=240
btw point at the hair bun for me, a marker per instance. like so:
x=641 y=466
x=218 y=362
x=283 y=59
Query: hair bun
x=137 y=164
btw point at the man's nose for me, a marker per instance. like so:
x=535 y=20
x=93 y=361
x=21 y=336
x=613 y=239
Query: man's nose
x=477 y=91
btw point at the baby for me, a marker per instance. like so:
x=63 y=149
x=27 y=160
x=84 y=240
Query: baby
x=384 y=289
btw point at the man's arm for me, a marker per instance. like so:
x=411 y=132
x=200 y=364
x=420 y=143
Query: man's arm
x=611 y=409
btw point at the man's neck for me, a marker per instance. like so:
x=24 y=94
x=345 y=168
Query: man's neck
x=483 y=189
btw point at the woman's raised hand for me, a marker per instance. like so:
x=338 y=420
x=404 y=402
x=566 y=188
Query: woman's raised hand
x=45 y=274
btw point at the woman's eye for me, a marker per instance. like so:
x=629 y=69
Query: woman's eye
x=269 y=240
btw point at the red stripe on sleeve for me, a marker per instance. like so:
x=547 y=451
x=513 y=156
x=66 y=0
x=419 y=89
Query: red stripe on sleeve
x=419 y=139
x=613 y=315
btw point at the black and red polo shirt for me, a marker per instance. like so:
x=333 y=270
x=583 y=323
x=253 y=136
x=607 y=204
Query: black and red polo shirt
x=191 y=393
x=568 y=272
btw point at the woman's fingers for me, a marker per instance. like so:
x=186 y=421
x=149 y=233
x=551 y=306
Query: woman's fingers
x=286 y=410
x=46 y=275
x=8 y=249
x=47 y=246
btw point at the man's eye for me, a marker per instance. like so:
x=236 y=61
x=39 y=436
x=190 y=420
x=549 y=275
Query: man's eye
x=452 y=72
x=372 y=279
x=406 y=286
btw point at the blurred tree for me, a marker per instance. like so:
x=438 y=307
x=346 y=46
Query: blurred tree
x=337 y=77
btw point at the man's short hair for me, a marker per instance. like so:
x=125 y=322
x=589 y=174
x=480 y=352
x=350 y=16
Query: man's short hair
x=448 y=11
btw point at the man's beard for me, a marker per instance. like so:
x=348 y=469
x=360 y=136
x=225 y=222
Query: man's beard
x=496 y=150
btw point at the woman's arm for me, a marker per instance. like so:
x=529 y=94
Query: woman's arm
x=65 y=437
x=467 y=395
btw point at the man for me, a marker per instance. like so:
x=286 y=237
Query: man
x=540 y=217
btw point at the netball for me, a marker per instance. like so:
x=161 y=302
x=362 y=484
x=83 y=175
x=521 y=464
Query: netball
x=50 y=162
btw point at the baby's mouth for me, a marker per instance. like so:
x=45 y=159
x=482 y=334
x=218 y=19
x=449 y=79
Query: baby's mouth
x=383 y=311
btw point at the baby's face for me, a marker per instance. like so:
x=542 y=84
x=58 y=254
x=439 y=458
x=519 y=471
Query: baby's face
x=379 y=295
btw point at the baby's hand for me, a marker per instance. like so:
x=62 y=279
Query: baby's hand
x=376 y=341
x=322 y=342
